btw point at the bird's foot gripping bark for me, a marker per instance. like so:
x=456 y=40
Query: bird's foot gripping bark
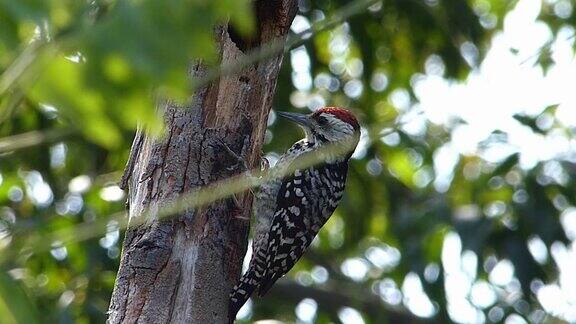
x=264 y=164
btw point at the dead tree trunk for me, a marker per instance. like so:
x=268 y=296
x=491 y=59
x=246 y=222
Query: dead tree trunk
x=182 y=268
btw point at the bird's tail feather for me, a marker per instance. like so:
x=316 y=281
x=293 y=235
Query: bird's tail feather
x=241 y=293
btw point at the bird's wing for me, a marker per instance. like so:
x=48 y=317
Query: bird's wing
x=293 y=227
x=287 y=231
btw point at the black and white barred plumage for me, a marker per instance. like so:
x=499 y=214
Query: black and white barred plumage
x=291 y=210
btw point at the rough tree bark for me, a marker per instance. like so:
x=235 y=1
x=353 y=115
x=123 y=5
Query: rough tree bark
x=181 y=269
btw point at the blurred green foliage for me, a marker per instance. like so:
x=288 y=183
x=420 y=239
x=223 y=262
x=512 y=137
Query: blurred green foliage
x=124 y=52
x=96 y=67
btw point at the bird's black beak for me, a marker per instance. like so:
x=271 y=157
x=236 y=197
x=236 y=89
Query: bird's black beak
x=300 y=119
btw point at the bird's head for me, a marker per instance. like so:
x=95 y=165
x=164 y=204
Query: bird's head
x=327 y=125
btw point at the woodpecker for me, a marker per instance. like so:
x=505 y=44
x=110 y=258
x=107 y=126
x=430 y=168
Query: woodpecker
x=291 y=209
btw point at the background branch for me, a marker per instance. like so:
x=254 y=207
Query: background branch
x=333 y=299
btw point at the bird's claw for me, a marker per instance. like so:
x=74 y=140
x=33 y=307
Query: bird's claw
x=264 y=164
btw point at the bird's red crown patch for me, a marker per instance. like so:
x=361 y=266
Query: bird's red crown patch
x=342 y=114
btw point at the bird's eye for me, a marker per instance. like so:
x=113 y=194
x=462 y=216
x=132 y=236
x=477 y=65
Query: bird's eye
x=322 y=120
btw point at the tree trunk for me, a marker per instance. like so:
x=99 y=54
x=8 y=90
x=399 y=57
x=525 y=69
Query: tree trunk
x=182 y=268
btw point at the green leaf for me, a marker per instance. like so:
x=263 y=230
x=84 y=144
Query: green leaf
x=15 y=306
x=26 y=9
x=528 y=121
x=550 y=109
x=62 y=85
